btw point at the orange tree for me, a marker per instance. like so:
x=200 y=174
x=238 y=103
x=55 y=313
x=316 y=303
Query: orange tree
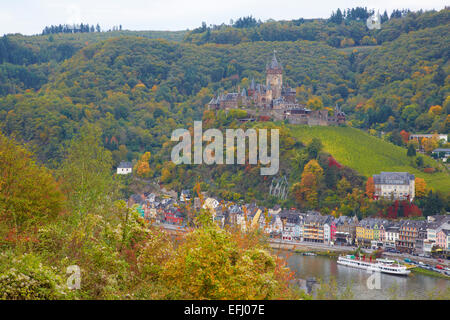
x=420 y=187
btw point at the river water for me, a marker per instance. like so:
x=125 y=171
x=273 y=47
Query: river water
x=415 y=286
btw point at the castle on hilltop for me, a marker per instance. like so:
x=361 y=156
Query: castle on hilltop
x=274 y=101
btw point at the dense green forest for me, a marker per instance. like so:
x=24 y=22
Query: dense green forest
x=136 y=89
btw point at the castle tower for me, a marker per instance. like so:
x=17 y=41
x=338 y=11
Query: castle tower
x=274 y=77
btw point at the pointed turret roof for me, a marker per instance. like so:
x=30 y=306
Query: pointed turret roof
x=274 y=64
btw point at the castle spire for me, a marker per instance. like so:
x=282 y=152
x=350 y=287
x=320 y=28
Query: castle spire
x=274 y=64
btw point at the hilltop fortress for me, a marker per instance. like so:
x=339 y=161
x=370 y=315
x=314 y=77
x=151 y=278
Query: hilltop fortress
x=274 y=101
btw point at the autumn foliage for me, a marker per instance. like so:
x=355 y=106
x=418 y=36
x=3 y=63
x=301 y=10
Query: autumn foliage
x=306 y=192
x=370 y=188
x=420 y=187
x=142 y=167
x=28 y=192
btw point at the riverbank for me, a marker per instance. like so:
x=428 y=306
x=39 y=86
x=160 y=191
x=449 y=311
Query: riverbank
x=310 y=247
x=330 y=254
x=430 y=273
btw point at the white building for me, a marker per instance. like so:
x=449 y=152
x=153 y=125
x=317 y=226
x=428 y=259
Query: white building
x=326 y=233
x=395 y=185
x=443 y=153
x=124 y=168
x=439 y=136
x=211 y=204
x=391 y=235
x=185 y=195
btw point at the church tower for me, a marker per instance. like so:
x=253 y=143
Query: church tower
x=274 y=77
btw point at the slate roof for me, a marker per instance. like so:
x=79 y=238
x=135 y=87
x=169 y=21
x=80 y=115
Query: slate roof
x=274 y=64
x=393 y=178
x=125 y=165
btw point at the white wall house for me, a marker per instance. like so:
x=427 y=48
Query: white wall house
x=298 y=231
x=326 y=233
x=391 y=235
x=396 y=185
x=124 y=168
x=439 y=136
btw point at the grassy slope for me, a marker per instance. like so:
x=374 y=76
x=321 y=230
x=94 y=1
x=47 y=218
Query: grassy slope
x=367 y=154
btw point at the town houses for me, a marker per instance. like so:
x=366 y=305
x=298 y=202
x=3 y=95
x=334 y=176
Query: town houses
x=426 y=237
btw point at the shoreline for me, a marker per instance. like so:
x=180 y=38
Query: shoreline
x=322 y=252
x=418 y=270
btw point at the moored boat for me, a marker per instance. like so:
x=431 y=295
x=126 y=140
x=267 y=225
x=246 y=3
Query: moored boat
x=380 y=265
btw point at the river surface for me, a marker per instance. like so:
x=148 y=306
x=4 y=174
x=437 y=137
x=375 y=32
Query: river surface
x=415 y=286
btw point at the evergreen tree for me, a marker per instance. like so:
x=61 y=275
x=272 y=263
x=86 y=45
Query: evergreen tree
x=337 y=17
x=384 y=17
x=411 y=150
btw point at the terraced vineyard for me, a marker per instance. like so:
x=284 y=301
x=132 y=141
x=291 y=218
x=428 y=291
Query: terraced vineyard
x=369 y=155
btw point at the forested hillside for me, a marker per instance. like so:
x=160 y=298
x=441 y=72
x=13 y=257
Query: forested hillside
x=25 y=60
x=137 y=90
x=343 y=29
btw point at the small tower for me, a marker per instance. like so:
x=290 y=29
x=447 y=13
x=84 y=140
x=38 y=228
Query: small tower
x=274 y=77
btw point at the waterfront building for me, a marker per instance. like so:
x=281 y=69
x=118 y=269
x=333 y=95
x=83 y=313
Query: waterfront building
x=392 y=234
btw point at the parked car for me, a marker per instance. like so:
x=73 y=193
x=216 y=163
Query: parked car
x=440 y=260
x=438 y=266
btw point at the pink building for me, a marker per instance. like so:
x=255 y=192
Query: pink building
x=333 y=230
x=442 y=239
x=382 y=232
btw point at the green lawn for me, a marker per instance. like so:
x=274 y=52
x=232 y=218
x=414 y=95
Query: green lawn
x=367 y=154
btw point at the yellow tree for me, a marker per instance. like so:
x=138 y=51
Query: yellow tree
x=212 y=263
x=435 y=110
x=306 y=192
x=142 y=167
x=420 y=187
x=429 y=144
x=315 y=103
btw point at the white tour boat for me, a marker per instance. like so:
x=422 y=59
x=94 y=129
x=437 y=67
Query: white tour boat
x=380 y=265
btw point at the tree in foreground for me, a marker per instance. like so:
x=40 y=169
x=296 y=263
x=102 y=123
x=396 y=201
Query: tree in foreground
x=213 y=264
x=29 y=194
x=86 y=172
